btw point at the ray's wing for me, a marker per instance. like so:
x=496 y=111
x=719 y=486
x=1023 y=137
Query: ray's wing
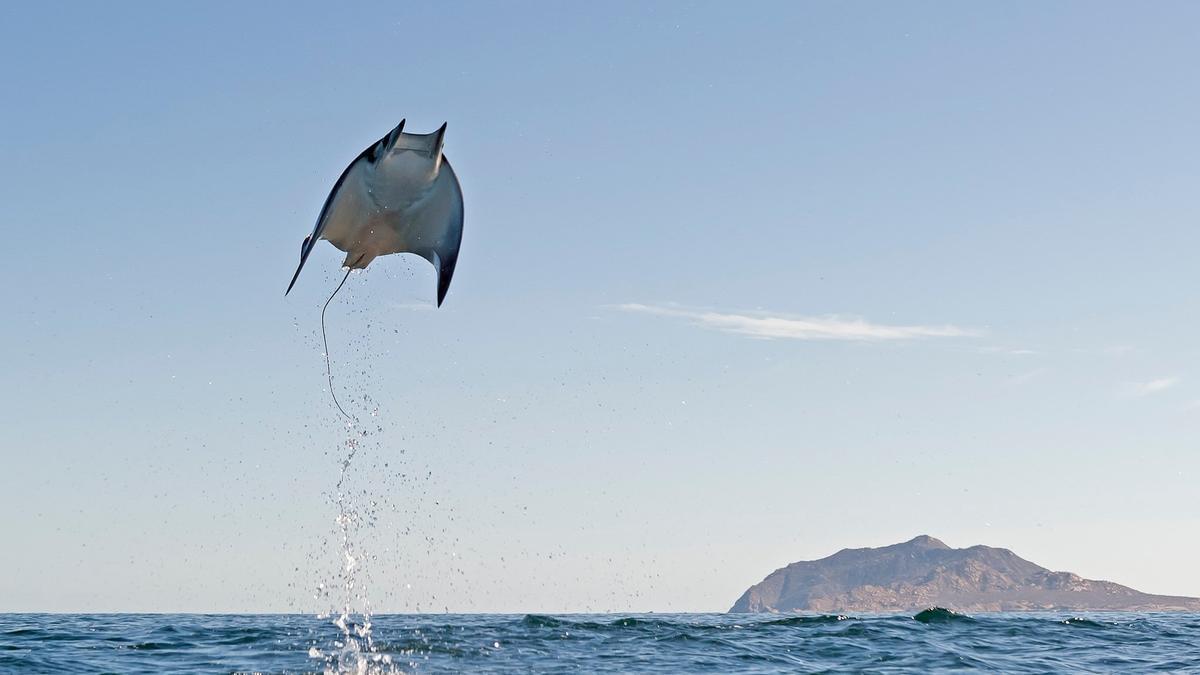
x=437 y=232
x=369 y=155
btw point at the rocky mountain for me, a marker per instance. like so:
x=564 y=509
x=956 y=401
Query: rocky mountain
x=924 y=573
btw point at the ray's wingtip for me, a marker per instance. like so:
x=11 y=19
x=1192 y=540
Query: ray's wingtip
x=294 y=278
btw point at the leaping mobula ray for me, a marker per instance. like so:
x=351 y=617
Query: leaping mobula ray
x=398 y=196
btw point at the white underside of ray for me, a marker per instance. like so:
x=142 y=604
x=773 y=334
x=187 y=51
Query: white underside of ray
x=370 y=216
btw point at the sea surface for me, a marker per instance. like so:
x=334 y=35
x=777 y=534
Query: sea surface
x=933 y=640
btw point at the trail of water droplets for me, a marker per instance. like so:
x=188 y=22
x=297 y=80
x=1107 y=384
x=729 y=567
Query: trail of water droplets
x=386 y=520
x=355 y=651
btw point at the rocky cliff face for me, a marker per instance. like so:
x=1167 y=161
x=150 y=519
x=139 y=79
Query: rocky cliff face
x=924 y=572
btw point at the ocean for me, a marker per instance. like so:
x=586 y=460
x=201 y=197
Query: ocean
x=933 y=640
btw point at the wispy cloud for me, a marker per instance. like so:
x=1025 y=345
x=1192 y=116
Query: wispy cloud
x=770 y=326
x=1140 y=389
x=1008 y=351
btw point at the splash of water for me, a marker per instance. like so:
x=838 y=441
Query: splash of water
x=382 y=505
x=355 y=650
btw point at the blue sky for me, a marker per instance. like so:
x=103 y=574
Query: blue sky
x=738 y=287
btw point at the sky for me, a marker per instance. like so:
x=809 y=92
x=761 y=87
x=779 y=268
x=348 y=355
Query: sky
x=739 y=286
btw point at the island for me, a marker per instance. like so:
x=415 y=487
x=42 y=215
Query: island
x=924 y=572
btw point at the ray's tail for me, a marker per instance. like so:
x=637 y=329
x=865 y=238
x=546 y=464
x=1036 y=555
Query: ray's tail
x=325 y=341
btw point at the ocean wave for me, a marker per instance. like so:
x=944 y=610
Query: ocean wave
x=816 y=620
x=932 y=640
x=940 y=615
x=1086 y=623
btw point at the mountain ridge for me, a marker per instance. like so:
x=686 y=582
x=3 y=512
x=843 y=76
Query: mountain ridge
x=924 y=572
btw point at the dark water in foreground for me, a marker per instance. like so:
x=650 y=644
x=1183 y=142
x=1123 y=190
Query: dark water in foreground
x=933 y=640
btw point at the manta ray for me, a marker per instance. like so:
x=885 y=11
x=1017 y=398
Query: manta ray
x=398 y=196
